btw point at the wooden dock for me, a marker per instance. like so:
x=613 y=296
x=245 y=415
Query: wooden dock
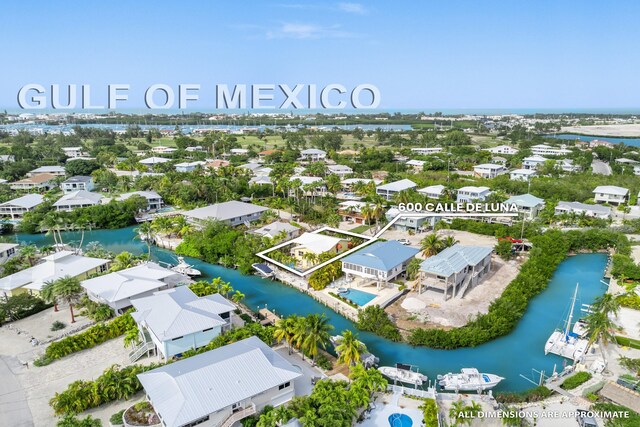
x=268 y=317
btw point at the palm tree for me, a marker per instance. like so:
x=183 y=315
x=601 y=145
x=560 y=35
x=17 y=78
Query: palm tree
x=285 y=330
x=146 y=230
x=29 y=253
x=68 y=290
x=237 y=297
x=48 y=295
x=431 y=245
x=318 y=333
x=448 y=241
x=122 y=261
x=349 y=349
x=607 y=303
x=457 y=413
x=370 y=379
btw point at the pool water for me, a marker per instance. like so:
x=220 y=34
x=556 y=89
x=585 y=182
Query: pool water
x=357 y=296
x=400 y=420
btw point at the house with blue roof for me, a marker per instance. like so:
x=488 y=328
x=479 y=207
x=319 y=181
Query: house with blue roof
x=380 y=261
x=528 y=205
x=455 y=270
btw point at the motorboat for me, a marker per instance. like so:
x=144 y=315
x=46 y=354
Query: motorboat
x=186 y=269
x=468 y=379
x=403 y=373
x=566 y=342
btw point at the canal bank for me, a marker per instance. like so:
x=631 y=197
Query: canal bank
x=510 y=356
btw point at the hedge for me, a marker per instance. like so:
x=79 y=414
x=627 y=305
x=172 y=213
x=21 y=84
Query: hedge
x=575 y=380
x=532 y=395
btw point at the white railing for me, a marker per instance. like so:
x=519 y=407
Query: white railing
x=141 y=350
x=239 y=415
x=427 y=394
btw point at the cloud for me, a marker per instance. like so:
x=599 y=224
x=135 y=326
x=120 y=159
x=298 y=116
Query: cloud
x=356 y=8
x=301 y=31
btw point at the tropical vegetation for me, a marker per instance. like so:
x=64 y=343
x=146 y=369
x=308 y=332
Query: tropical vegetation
x=374 y=319
x=575 y=380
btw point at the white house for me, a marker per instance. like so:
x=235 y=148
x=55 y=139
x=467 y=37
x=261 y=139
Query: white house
x=76 y=183
x=7 y=158
x=260 y=180
x=189 y=166
x=433 y=191
x=117 y=289
x=533 y=162
x=547 y=150
x=53 y=170
x=380 y=261
x=471 y=194
x=313 y=155
x=425 y=151
x=340 y=170
x=41 y=181
x=489 y=170
x=610 y=194
x=347 y=184
x=528 y=205
x=388 y=191
x=416 y=165
x=161 y=149
x=77 y=199
x=232 y=213
x=567 y=165
x=73 y=152
x=594 y=211
x=276 y=228
x=152 y=161
x=7 y=251
x=222 y=386
x=239 y=151
x=455 y=270
x=176 y=320
x=154 y=201
x=503 y=149
x=522 y=174
x=318 y=189
x=16 y=208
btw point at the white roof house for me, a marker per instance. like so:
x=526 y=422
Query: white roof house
x=389 y=190
x=503 y=149
x=118 y=288
x=260 y=180
x=522 y=174
x=55 y=266
x=54 y=170
x=472 y=194
x=77 y=199
x=527 y=204
x=313 y=154
x=532 y=162
x=150 y=161
x=16 y=208
x=340 y=170
x=610 y=194
x=233 y=212
x=206 y=386
x=433 y=191
x=489 y=170
x=275 y=228
x=596 y=211
x=154 y=200
x=315 y=242
x=75 y=183
x=547 y=150
x=426 y=150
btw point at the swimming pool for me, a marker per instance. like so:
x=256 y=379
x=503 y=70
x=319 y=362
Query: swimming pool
x=357 y=296
x=400 y=420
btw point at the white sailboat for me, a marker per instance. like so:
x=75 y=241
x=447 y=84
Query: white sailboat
x=469 y=379
x=403 y=374
x=186 y=269
x=566 y=342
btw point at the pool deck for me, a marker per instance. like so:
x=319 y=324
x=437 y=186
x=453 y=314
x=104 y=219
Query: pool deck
x=393 y=403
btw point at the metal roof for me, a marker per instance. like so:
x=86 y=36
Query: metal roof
x=28 y=201
x=77 y=178
x=80 y=197
x=225 y=211
x=611 y=189
x=526 y=200
x=193 y=388
x=403 y=184
x=382 y=255
x=454 y=259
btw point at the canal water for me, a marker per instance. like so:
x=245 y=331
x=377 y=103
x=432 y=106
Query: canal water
x=635 y=142
x=511 y=356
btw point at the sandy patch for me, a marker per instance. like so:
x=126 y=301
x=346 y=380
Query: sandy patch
x=605 y=130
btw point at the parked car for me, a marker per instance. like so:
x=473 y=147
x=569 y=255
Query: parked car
x=585 y=420
x=404 y=242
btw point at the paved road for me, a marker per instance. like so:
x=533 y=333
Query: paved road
x=14 y=410
x=600 y=167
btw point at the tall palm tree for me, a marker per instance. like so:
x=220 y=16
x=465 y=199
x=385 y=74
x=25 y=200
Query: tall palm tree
x=457 y=413
x=431 y=245
x=146 y=230
x=237 y=297
x=67 y=289
x=349 y=349
x=29 y=253
x=448 y=241
x=318 y=333
x=122 y=261
x=48 y=295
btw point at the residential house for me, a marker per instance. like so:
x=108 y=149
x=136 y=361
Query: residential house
x=388 y=191
x=222 y=386
x=547 y=150
x=7 y=251
x=414 y=223
x=433 y=191
x=567 y=165
x=313 y=155
x=218 y=163
x=260 y=180
x=489 y=170
x=528 y=205
x=594 y=211
x=176 y=320
x=232 y=213
x=600 y=143
x=53 y=170
x=53 y=267
x=239 y=151
x=610 y=194
x=119 y=288
x=152 y=161
x=522 y=174
x=189 y=166
x=16 y=208
x=276 y=229
x=310 y=186
x=348 y=184
x=77 y=199
x=73 y=152
x=194 y=149
x=471 y=194
x=266 y=153
x=316 y=244
x=425 y=151
x=340 y=170
x=154 y=201
x=416 y=165
x=455 y=270
x=76 y=183
x=533 y=162
x=7 y=158
x=380 y=261
x=503 y=149
x=161 y=149
x=41 y=181
x=351 y=211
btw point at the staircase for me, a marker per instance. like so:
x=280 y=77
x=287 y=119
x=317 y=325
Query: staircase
x=239 y=415
x=465 y=285
x=141 y=350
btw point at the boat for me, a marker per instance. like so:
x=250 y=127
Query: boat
x=580 y=328
x=184 y=268
x=264 y=270
x=368 y=360
x=469 y=379
x=403 y=373
x=565 y=342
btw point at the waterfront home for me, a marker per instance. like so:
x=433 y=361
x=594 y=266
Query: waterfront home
x=73 y=152
x=425 y=151
x=220 y=387
x=77 y=199
x=277 y=229
x=416 y=165
x=433 y=191
x=53 y=170
x=76 y=183
x=117 y=289
x=232 y=213
x=488 y=170
x=308 y=246
x=176 y=320
x=528 y=205
x=594 y=211
x=413 y=223
x=41 y=181
x=522 y=174
x=547 y=150
x=351 y=211
x=470 y=194
x=380 y=261
x=152 y=161
x=388 y=191
x=7 y=251
x=533 y=162
x=154 y=201
x=455 y=270
x=340 y=170
x=16 y=208
x=189 y=166
x=313 y=155
x=53 y=267
x=503 y=149
x=610 y=194
x=600 y=143
x=309 y=186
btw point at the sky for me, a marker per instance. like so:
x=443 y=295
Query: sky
x=429 y=55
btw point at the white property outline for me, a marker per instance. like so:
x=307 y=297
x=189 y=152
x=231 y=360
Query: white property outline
x=369 y=239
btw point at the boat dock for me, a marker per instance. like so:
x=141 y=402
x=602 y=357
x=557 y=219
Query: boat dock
x=268 y=317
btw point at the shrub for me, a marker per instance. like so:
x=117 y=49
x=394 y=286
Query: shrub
x=116 y=419
x=532 y=395
x=575 y=380
x=430 y=413
x=57 y=325
x=322 y=277
x=71 y=420
x=344 y=300
x=20 y=306
x=630 y=300
x=375 y=319
x=628 y=342
x=323 y=362
x=95 y=311
x=627 y=418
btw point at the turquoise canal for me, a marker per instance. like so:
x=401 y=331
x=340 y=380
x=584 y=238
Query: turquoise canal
x=517 y=353
x=572 y=137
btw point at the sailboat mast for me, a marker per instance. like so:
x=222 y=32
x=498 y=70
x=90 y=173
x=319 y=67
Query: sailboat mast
x=570 y=318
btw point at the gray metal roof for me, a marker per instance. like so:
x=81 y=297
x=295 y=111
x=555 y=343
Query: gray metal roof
x=80 y=197
x=403 y=184
x=382 y=255
x=577 y=206
x=526 y=200
x=225 y=211
x=454 y=259
x=77 y=178
x=28 y=201
x=193 y=388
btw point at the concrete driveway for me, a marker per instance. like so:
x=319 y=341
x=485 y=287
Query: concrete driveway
x=14 y=410
x=600 y=167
